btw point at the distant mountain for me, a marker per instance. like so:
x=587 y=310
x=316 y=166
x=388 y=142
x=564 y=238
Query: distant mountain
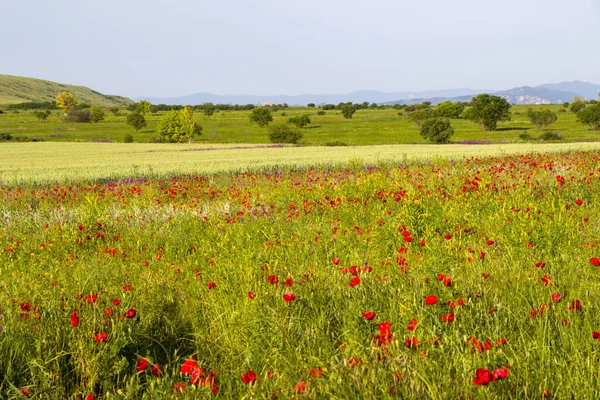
x=16 y=89
x=518 y=95
x=586 y=89
x=355 y=97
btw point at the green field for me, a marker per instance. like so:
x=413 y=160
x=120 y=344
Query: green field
x=368 y=127
x=26 y=163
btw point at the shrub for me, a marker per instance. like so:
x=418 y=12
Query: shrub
x=348 y=111
x=5 y=137
x=114 y=111
x=1 y=112
x=136 y=120
x=551 y=136
x=590 y=116
x=541 y=118
x=41 y=115
x=328 y=107
x=97 y=114
x=336 y=143
x=300 y=121
x=321 y=112
x=78 y=115
x=179 y=126
x=437 y=130
x=525 y=136
x=128 y=138
x=449 y=109
x=261 y=116
x=311 y=105
x=419 y=116
x=284 y=133
x=577 y=106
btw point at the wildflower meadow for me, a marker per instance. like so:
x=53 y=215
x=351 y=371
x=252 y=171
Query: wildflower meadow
x=470 y=278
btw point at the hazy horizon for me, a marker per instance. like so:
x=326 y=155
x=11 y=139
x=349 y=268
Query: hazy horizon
x=155 y=48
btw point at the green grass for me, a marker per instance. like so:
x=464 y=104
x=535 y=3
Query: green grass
x=368 y=127
x=184 y=252
x=17 y=89
x=50 y=162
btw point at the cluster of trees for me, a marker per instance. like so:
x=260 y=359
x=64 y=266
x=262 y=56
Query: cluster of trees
x=74 y=112
x=280 y=133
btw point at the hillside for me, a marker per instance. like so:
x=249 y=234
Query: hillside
x=16 y=89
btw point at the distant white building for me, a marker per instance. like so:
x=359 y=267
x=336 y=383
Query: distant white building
x=267 y=104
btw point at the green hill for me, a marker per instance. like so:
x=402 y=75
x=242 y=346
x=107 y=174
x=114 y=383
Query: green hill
x=16 y=89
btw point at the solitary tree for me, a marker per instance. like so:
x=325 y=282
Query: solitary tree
x=348 y=111
x=179 y=126
x=437 y=130
x=208 y=109
x=300 y=121
x=96 y=114
x=577 y=105
x=143 y=108
x=542 y=118
x=66 y=101
x=136 y=120
x=311 y=105
x=262 y=116
x=488 y=110
x=590 y=116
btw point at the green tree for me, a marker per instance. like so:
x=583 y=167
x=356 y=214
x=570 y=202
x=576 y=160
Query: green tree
x=300 y=121
x=419 y=116
x=208 y=109
x=114 y=110
x=590 y=116
x=262 y=116
x=66 y=101
x=348 y=111
x=136 y=120
x=488 y=110
x=566 y=104
x=449 y=109
x=437 y=130
x=284 y=133
x=179 y=126
x=41 y=115
x=577 y=106
x=541 y=118
x=97 y=114
x=310 y=105
x=143 y=108
x=328 y=107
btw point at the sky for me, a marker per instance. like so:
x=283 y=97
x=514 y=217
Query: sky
x=165 y=48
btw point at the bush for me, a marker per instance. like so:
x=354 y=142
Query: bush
x=41 y=115
x=97 y=114
x=541 y=118
x=551 y=136
x=419 y=116
x=327 y=107
x=128 y=139
x=449 y=109
x=348 y=111
x=157 y=139
x=437 y=130
x=1 y=112
x=136 y=120
x=310 y=105
x=5 y=137
x=179 y=126
x=300 y=121
x=577 y=106
x=321 y=113
x=590 y=116
x=284 y=133
x=525 y=136
x=78 y=115
x=262 y=116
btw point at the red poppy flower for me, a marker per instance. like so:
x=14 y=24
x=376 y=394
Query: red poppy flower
x=369 y=315
x=540 y=265
x=141 y=365
x=556 y=297
x=300 y=387
x=211 y=285
x=490 y=242
x=289 y=282
x=354 y=281
x=411 y=342
x=412 y=325
x=116 y=302
x=90 y=397
x=25 y=392
x=447 y=281
x=483 y=377
x=430 y=300
x=448 y=236
x=448 y=317
x=579 y=202
x=249 y=378
x=156 y=369
x=595 y=261
x=179 y=387
x=273 y=279
x=91 y=298
x=575 y=306
x=108 y=312
x=127 y=288
x=26 y=306
x=250 y=295
x=101 y=337
x=500 y=373
x=596 y=335
x=130 y=313
x=74 y=320
x=335 y=261
x=289 y=297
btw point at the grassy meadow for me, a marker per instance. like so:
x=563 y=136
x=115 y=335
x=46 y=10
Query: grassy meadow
x=367 y=127
x=444 y=278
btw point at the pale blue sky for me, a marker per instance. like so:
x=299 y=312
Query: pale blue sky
x=177 y=47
